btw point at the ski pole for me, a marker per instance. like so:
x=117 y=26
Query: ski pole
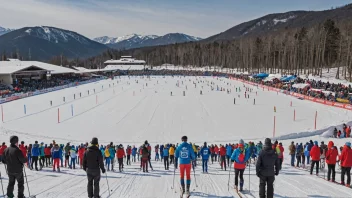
x=25 y=175
x=249 y=181
x=2 y=185
x=107 y=182
x=173 y=182
x=228 y=182
x=195 y=179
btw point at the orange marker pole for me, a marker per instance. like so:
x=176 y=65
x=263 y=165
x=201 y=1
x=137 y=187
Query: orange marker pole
x=315 y=122
x=294 y=115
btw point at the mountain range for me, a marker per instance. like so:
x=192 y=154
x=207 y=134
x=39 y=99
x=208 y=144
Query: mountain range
x=138 y=41
x=43 y=43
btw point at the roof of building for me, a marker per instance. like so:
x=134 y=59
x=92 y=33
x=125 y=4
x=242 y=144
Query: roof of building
x=14 y=65
x=122 y=67
x=124 y=60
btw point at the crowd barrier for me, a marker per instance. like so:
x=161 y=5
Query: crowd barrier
x=317 y=100
x=17 y=96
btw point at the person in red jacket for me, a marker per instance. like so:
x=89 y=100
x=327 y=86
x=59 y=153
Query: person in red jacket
x=2 y=148
x=23 y=149
x=212 y=153
x=81 y=151
x=315 y=155
x=120 y=154
x=216 y=152
x=330 y=157
x=223 y=157
x=281 y=154
x=346 y=164
x=47 y=153
x=129 y=152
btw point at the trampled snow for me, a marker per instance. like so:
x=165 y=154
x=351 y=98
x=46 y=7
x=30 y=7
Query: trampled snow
x=127 y=112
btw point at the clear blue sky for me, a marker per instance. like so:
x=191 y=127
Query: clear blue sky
x=94 y=18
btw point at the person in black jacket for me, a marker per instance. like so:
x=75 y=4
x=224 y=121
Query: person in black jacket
x=92 y=163
x=265 y=170
x=14 y=160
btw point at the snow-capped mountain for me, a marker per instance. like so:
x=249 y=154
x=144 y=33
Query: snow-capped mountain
x=136 y=41
x=4 y=30
x=45 y=42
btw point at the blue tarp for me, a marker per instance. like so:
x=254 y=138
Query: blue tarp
x=261 y=75
x=288 y=78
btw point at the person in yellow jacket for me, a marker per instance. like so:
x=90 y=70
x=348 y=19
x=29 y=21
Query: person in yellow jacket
x=172 y=154
x=107 y=157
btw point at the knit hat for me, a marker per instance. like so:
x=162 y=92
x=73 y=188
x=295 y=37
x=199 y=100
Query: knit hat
x=146 y=142
x=205 y=143
x=348 y=144
x=94 y=140
x=13 y=139
x=184 y=138
x=241 y=142
x=316 y=143
x=267 y=141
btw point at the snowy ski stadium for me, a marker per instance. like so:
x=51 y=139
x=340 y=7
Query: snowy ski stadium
x=129 y=110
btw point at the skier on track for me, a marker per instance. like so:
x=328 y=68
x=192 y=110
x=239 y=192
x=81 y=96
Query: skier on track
x=35 y=155
x=14 y=160
x=185 y=153
x=120 y=155
x=223 y=157
x=240 y=156
x=134 y=153
x=56 y=157
x=267 y=167
x=228 y=153
x=205 y=152
x=144 y=157
x=92 y=162
x=112 y=152
x=166 y=157
x=315 y=155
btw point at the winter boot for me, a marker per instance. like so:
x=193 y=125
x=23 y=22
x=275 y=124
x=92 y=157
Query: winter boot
x=183 y=188
x=187 y=190
x=241 y=185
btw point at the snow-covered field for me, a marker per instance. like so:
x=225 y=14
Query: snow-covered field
x=127 y=112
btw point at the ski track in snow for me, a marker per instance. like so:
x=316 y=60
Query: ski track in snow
x=129 y=113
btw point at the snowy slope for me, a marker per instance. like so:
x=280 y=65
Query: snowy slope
x=4 y=30
x=127 y=112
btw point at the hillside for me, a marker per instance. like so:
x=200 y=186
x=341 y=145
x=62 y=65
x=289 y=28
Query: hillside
x=43 y=43
x=280 y=21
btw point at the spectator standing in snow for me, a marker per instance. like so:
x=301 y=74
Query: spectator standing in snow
x=14 y=160
x=92 y=163
x=267 y=167
x=331 y=156
x=346 y=164
x=292 y=149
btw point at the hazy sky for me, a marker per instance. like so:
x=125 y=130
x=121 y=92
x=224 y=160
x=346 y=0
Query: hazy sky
x=94 y=18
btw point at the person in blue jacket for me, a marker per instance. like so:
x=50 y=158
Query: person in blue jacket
x=240 y=156
x=228 y=153
x=112 y=152
x=307 y=152
x=41 y=155
x=205 y=152
x=166 y=157
x=35 y=155
x=134 y=153
x=185 y=154
x=102 y=150
x=61 y=149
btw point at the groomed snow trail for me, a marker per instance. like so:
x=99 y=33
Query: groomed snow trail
x=127 y=112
